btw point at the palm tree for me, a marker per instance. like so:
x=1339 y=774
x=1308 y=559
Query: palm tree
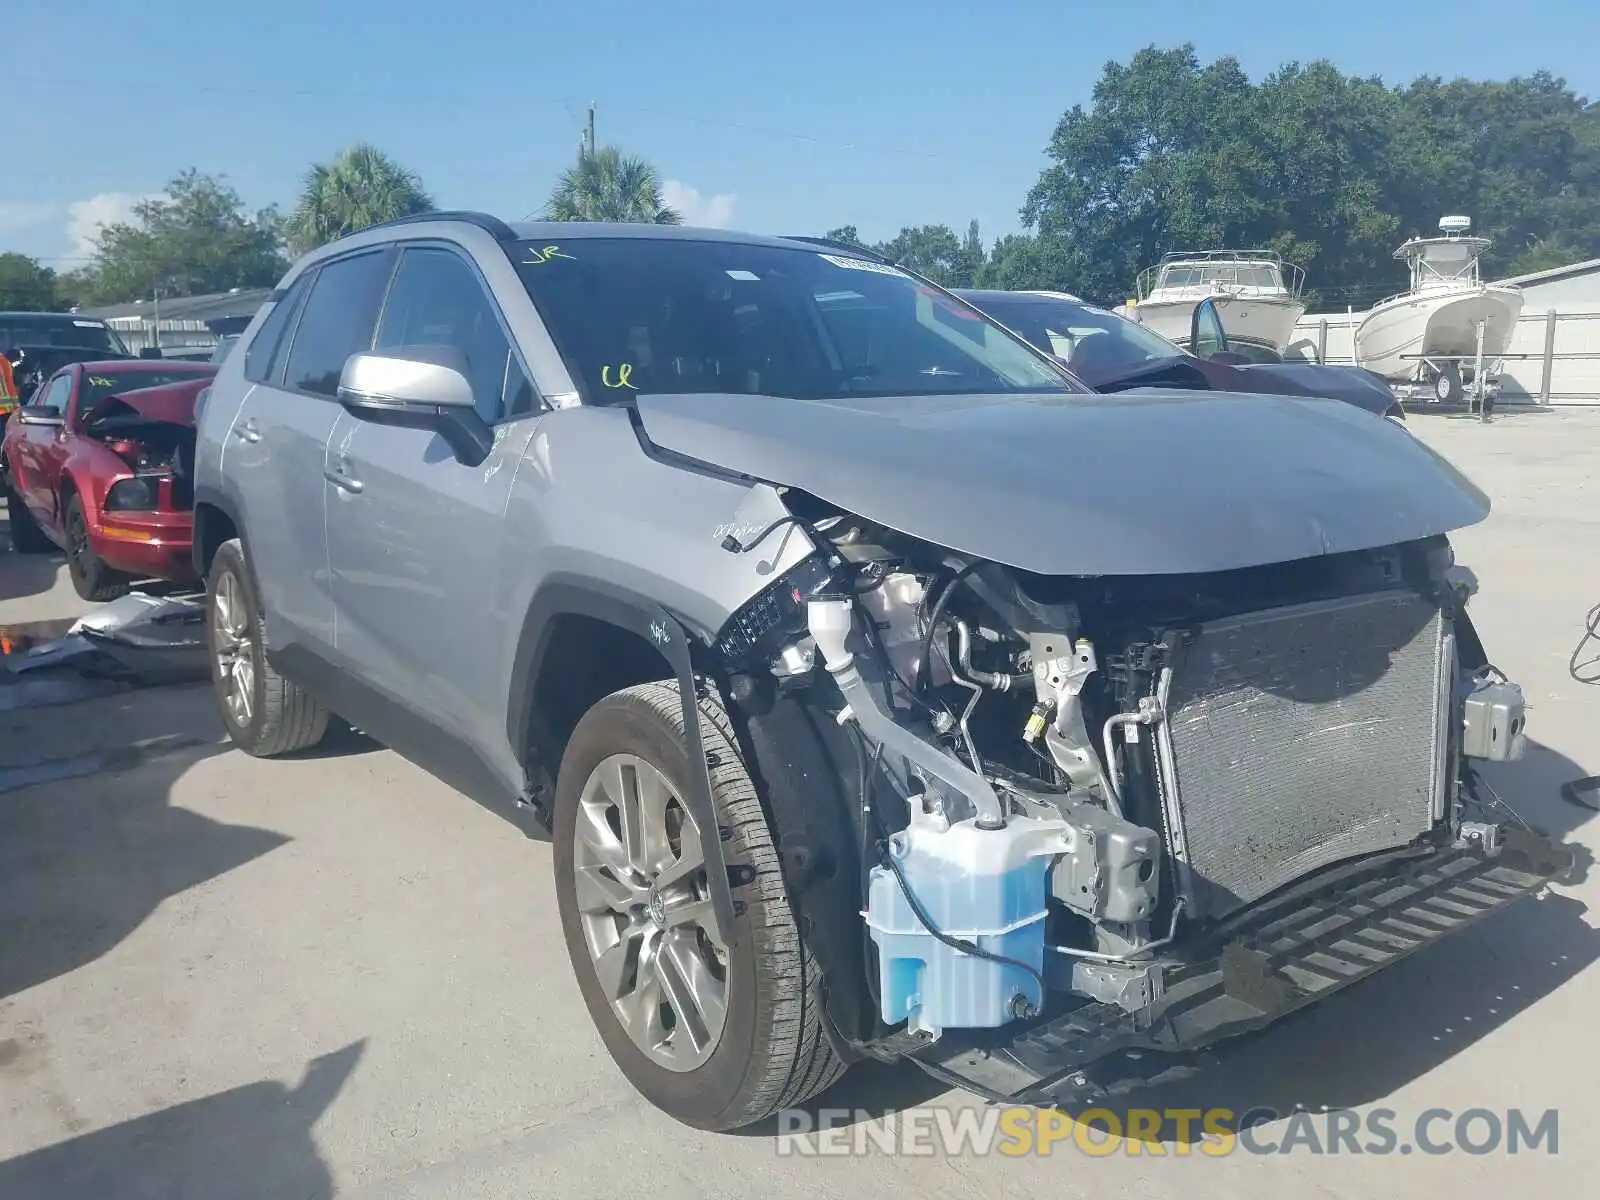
x=359 y=187
x=608 y=185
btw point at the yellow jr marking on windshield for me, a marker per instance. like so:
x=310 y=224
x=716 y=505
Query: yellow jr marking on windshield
x=545 y=254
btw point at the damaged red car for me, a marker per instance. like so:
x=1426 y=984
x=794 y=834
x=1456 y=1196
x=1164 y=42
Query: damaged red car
x=98 y=462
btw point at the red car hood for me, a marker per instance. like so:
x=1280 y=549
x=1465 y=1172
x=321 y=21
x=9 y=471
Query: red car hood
x=170 y=402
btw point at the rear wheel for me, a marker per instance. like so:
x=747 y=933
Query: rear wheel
x=717 y=1037
x=264 y=713
x=26 y=536
x=91 y=578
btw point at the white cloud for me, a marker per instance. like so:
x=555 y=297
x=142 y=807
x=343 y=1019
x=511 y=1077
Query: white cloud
x=710 y=212
x=17 y=215
x=85 y=218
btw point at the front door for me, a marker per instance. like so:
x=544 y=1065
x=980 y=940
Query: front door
x=277 y=447
x=42 y=449
x=416 y=538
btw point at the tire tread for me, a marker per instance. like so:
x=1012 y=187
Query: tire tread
x=801 y=1061
x=291 y=718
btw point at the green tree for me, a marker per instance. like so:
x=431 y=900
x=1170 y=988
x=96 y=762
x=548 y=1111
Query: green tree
x=26 y=283
x=609 y=185
x=193 y=240
x=360 y=186
x=1330 y=171
x=846 y=234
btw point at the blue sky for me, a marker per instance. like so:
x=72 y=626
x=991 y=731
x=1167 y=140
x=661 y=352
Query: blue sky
x=779 y=118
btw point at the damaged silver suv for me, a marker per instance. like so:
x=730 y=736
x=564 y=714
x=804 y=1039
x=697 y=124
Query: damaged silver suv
x=885 y=692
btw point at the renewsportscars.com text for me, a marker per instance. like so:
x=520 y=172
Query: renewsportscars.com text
x=1212 y=1132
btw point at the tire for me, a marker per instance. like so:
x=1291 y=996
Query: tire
x=26 y=536
x=276 y=717
x=91 y=578
x=1447 y=386
x=771 y=1052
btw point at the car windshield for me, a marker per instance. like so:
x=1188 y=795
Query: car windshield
x=1095 y=344
x=674 y=315
x=99 y=384
x=63 y=331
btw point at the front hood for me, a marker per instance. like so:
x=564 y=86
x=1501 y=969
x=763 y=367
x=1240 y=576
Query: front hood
x=1141 y=483
x=1353 y=385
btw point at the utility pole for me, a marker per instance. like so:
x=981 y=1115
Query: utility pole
x=588 y=134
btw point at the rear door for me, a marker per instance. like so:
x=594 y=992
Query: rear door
x=276 y=446
x=414 y=535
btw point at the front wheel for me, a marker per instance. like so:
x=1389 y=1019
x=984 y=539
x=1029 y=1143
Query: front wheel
x=91 y=578
x=716 y=1037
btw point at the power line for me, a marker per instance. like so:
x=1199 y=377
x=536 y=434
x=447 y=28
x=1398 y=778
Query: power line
x=877 y=148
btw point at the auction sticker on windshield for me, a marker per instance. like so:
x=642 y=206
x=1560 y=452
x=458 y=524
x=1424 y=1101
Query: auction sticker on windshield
x=861 y=264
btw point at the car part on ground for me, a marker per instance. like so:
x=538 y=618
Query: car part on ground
x=136 y=638
x=887 y=692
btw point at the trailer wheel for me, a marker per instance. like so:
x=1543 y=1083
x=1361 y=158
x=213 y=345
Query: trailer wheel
x=1447 y=386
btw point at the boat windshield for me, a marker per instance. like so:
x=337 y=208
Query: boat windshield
x=1234 y=274
x=1440 y=264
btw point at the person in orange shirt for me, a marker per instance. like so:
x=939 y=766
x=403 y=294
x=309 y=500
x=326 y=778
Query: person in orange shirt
x=9 y=399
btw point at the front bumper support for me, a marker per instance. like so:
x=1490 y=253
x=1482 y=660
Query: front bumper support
x=1289 y=951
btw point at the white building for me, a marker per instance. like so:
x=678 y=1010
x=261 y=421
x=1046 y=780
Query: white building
x=1575 y=286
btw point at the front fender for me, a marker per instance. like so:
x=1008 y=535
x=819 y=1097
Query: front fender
x=647 y=619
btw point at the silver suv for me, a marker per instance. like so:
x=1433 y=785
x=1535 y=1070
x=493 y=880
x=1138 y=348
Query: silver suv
x=885 y=692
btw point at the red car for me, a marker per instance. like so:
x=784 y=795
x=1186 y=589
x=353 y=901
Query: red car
x=96 y=463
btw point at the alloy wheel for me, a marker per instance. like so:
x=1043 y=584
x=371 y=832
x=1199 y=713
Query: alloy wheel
x=645 y=912
x=233 y=648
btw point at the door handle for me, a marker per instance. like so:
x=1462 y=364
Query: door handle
x=248 y=432
x=343 y=482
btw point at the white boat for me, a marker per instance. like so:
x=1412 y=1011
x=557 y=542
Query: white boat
x=1429 y=335
x=1257 y=296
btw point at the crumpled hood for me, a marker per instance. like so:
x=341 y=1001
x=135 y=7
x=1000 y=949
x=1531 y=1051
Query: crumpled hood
x=168 y=403
x=1146 y=482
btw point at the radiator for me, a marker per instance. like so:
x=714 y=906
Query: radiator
x=1300 y=737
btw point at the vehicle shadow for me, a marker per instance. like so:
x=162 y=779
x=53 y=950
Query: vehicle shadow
x=1363 y=1044
x=24 y=575
x=84 y=863
x=250 y=1141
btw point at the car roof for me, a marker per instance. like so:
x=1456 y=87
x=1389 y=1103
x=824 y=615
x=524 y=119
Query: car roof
x=992 y=294
x=26 y=315
x=133 y=365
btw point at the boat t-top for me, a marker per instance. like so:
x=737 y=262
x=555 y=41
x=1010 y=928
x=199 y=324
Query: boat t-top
x=1257 y=296
x=1450 y=325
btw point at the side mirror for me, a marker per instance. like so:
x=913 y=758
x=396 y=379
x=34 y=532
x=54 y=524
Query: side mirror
x=150 y=352
x=1207 y=338
x=418 y=387
x=41 y=416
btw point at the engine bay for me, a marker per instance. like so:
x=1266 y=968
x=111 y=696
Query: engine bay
x=1064 y=780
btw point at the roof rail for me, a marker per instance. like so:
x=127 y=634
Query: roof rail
x=847 y=247
x=493 y=226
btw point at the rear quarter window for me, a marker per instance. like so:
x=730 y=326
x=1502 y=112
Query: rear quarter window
x=262 y=354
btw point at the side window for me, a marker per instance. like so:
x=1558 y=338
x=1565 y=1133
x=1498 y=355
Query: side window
x=337 y=321
x=262 y=353
x=438 y=300
x=54 y=395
